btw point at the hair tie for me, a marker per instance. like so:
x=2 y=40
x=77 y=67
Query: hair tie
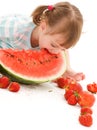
x=50 y=7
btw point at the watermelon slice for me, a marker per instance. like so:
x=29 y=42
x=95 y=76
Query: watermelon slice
x=32 y=66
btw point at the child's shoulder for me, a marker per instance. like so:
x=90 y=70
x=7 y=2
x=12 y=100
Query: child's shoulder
x=16 y=17
x=15 y=20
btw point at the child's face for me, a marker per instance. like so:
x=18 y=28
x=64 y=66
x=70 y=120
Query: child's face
x=51 y=42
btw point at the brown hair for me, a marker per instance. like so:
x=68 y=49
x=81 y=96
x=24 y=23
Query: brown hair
x=64 y=18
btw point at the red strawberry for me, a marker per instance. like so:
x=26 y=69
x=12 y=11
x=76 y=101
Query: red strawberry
x=68 y=94
x=86 y=120
x=86 y=110
x=71 y=94
x=14 y=87
x=63 y=82
x=4 y=82
x=92 y=87
x=60 y=82
x=75 y=86
x=72 y=100
x=86 y=99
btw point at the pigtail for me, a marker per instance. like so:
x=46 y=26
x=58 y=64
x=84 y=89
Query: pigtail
x=36 y=15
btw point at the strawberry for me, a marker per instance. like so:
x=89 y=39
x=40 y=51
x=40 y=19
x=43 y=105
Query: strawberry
x=86 y=120
x=68 y=94
x=85 y=110
x=14 y=87
x=86 y=99
x=71 y=97
x=92 y=87
x=71 y=93
x=63 y=82
x=75 y=86
x=72 y=100
x=4 y=82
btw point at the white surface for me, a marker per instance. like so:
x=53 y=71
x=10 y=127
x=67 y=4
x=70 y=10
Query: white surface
x=34 y=107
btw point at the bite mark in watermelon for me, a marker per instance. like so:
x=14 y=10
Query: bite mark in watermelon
x=32 y=66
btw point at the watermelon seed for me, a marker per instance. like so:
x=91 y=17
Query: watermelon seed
x=12 y=56
x=20 y=60
x=41 y=62
x=50 y=90
x=34 y=63
x=55 y=56
x=47 y=60
x=9 y=55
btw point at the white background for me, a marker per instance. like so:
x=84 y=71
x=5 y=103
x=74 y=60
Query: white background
x=35 y=107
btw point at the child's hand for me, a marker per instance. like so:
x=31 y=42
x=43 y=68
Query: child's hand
x=79 y=76
x=75 y=76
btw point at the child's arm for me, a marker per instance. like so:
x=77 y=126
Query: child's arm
x=70 y=72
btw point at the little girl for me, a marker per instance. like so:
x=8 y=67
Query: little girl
x=56 y=28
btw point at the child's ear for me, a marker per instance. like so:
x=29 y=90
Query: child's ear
x=43 y=25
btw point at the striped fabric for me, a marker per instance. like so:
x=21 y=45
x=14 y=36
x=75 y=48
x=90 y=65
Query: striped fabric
x=15 y=31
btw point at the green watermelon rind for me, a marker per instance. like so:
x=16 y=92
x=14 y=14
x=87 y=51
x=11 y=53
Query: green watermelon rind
x=26 y=80
x=17 y=78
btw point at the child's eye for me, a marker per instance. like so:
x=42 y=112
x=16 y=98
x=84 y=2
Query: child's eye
x=53 y=45
x=57 y=47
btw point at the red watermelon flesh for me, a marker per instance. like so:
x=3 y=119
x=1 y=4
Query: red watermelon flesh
x=32 y=65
